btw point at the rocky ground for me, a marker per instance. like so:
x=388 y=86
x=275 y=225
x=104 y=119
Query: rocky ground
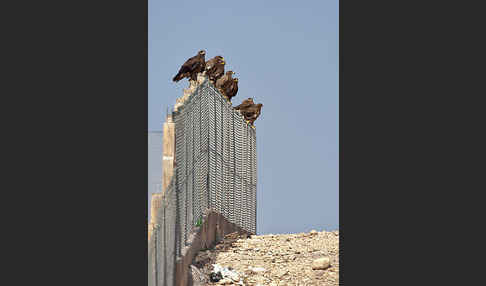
x=285 y=259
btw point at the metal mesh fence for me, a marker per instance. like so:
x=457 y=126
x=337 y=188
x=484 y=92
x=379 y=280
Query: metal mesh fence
x=162 y=246
x=215 y=168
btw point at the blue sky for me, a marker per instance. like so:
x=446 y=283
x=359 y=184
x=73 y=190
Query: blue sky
x=285 y=54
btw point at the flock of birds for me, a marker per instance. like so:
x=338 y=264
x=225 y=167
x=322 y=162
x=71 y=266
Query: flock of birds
x=224 y=82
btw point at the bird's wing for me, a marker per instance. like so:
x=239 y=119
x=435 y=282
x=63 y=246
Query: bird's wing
x=191 y=62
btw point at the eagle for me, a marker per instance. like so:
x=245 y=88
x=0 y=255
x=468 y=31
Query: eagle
x=252 y=112
x=191 y=67
x=245 y=104
x=211 y=62
x=222 y=81
x=215 y=69
x=231 y=89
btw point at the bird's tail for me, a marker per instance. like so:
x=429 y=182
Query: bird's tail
x=178 y=77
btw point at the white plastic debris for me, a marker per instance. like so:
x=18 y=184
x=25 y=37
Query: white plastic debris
x=227 y=273
x=257 y=269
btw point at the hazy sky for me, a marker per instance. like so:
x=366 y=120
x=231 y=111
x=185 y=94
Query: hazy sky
x=285 y=54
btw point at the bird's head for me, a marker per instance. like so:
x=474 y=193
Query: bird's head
x=250 y=99
x=259 y=105
x=236 y=79
x=202 y=52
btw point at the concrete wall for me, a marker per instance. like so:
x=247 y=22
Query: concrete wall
x=155 y=205
x=168 y=152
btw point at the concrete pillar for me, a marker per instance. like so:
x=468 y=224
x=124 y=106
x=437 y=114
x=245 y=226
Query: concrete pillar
x=168 y=153
x=155 y=205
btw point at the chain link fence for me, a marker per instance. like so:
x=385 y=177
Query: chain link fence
x=215 y=168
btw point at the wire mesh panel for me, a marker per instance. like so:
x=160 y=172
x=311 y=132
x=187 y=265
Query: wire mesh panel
x=244 y=162
x=220 y=153
x=231 y=168
x=227 y=121
x=254 y=180
x=161 y=250
x=215 y=167
x=205 y=139
x=239 y=172
x=151 y=260
x=189 y=166
x=212 y=155
x=180 y=174
x=196 y=142
x=170 y=251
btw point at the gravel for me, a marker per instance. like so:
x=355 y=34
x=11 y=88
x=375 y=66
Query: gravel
x=283 y=259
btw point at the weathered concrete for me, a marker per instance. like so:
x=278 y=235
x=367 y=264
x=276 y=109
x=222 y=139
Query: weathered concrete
x=155 y=205
x=168 y=153
x=212 y=230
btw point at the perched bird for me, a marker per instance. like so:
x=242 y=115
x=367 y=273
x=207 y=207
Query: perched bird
x=231 y=89
x=222 y=81
x=216 y=70
x=211 y=62
x=245 y=104
x=251 y=113
x=191 y=67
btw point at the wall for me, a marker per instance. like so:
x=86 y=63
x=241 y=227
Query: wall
x=168 y=152
x=214 y=170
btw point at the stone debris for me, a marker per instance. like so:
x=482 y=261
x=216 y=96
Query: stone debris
x=287 y=259
x=257 y=269
x=320 y=263
x=198 y=276
x=225 y=281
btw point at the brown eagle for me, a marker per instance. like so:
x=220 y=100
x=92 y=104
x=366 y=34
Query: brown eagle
x=251 y=113
x=216 y=70
x=191 y=67
x=231 y=89
x=245 y=104
x=211 y=62
x=222 y=81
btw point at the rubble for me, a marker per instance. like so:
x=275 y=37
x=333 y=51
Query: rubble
x=320 y=263
x=286 y=259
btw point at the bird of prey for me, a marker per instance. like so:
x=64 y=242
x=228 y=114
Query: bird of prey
x=222 y=81
x=191 y=67
x=211 y=62
x=245 y=104
x=251 y=113
x=231 y=89
x=215 y=69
